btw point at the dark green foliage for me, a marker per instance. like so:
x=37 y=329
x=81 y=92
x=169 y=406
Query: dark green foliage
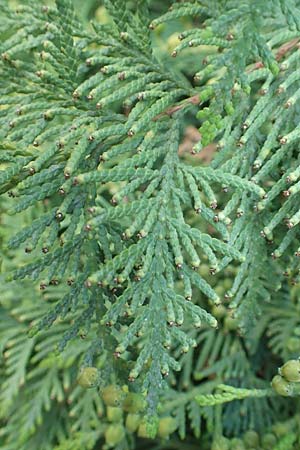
x=181 y=278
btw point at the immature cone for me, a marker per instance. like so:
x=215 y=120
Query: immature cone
x=282 y=428
x=112 y=395
x=134 y=403
x=230 y=323
x=251 y=439
x=221 y=443
x=291 y=370
x=293 y=344
x=143 y=431
x=269 y=440
x=166 y=426
x=132 y=422
x=281 y=386
x=237 y=444
x=114 y=414
x=114 y=434
x=88 y=377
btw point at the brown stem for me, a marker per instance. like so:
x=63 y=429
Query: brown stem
x=257 y=65
x=286 y=48
x=194 y=100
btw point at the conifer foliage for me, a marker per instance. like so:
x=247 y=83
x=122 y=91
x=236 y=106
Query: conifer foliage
x=167 y=287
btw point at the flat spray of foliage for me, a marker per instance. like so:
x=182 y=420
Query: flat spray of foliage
x=167 y=286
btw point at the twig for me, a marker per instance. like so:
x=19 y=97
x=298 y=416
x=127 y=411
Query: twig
x=194 y=100
x=286 y=48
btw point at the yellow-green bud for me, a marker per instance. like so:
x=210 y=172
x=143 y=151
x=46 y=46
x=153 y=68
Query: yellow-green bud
x=114 y=414
x=237 y=444
x=281 y=428
x=221 y=443
x=132 y=422
x=166 y=426
x=291 y=370
x=143 y=431
x=251 y=439
x=268 y=441
x=293 y=344
x=281 y=386
x=112 y=395
x=114 y=434
x=230 y=323
x=88 y=377
x=134 y=403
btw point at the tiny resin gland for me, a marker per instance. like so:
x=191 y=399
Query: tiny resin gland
x=88 y=377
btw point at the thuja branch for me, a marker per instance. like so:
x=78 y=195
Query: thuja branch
x=226 y=394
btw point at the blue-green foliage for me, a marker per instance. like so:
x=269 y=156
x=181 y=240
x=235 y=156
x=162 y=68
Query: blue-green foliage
x=127 y=231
